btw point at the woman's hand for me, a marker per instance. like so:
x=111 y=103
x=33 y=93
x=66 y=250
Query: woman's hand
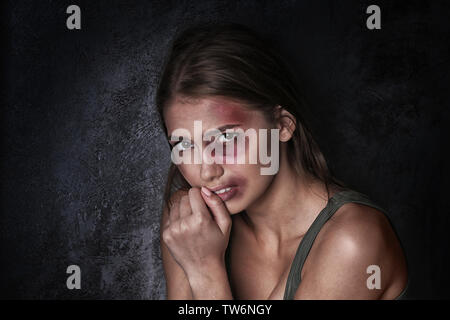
x=198 y=230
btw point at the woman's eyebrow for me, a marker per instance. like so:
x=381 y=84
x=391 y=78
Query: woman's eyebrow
x=228 y=126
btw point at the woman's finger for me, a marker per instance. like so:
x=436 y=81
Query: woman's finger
x=218 y=209
x=175 y=199
x=174 y=212
x=185 y=207
x=198 y=204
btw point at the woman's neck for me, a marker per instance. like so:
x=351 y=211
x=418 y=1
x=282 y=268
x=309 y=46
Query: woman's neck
x=287 y=208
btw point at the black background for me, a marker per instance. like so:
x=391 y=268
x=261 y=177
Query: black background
x=84 y=160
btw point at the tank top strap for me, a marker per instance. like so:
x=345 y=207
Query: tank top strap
x=333 y=204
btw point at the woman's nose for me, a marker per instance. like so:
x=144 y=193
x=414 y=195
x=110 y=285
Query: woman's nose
x=209 y=168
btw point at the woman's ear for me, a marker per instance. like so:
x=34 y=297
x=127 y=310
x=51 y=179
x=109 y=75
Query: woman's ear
x=286 y=122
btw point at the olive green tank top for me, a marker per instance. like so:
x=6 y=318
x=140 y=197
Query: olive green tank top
x=334 y=203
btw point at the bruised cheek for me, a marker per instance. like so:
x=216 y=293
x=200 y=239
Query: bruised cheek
x=229 y=154
x=236 y=154
x=229 y=113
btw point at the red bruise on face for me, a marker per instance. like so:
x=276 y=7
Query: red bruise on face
x=228 y=158
x=229 y=112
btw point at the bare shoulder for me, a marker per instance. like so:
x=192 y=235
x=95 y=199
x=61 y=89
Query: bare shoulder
x=364 y=228
x=357 y=239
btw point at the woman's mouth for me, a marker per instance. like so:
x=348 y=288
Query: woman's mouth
x=222 y=190
x=226 y=193
x=233 y=188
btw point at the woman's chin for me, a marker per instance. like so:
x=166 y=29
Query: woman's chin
x=234 y=207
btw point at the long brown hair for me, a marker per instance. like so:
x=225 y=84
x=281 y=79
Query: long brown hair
x=233 y=61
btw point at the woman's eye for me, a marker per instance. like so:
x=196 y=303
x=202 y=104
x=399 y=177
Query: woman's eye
x=183 y=145
x=227 y=137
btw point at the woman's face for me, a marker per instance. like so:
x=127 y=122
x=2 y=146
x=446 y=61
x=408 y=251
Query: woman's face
x=239 y=185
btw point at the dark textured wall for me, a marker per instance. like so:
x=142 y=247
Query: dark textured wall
x=84 y=159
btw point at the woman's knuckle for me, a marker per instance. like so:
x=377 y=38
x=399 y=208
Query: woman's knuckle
x=167 y=237
x=199 y=220
x=173 y=229
x=184 y=226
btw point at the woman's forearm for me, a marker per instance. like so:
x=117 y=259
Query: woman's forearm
x=210 y=282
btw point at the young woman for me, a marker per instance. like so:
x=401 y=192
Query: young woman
x=230 y=232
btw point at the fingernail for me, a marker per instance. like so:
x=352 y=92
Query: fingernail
x=206 y=191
